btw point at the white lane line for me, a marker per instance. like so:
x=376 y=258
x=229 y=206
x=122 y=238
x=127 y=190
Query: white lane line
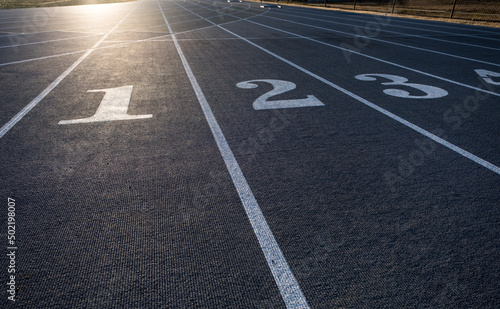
x=83 y=29
x=386 y=42
x=51 y=24
x=138 y=30
x=226 y=39
x=379 y=60
x=56 y=13
x=152 y=39
x=406 y=123
x=425 y=37
x=75 y=29
x=13 y=34
x=370 y=57
x=11 y=123
x=48 y=41
x=449 y=33
x=289 y=287
x=53 y=17
x=42 y=58
x=218 y=9
x=363 y=17
x=67 y=14
x=29 y=25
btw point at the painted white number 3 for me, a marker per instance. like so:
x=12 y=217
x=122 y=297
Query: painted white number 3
x=280 y=86
x=114 y=106
x=486 y=75
x=431 y=92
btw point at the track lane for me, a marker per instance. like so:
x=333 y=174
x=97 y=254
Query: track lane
x=128 y=204
x=313 y=183
x=438 y=118
x=429 y=25
x=377 y=29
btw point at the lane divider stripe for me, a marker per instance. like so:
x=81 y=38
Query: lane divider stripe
x=11 y=123
x=287 y=284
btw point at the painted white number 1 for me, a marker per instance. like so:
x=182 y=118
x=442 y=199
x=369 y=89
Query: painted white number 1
x=280 y=86
x=431 y=92
x=114 y=106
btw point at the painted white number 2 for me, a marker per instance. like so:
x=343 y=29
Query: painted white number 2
x=486 y=75
x=280 y=86
x=431 y=92
x=114 y=106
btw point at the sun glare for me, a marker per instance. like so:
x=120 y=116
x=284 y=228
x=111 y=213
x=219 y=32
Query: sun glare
x=98 y=11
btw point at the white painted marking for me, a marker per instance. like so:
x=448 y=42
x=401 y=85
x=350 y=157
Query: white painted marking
x=104 y=47
x=88 y=22
x=378 y=59
x=128 y=42
x=48 y=41
x=113 y=107
x=11 y=123
x=70 y=38
x=43 y=58
x=221 y=39
x=395 y=117
x=386 y=42
x=279 y=87
x=361 y=54
x=400 y=19
x=431 y=92
x=377 y=28
x=287 y=284
x=485 y=74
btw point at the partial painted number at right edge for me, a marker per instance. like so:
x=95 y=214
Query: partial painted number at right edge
x=487 y=76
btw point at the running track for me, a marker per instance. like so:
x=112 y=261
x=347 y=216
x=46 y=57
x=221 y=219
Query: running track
x=212 y=154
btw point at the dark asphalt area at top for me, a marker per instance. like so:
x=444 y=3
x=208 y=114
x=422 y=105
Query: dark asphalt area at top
x=213 y=154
